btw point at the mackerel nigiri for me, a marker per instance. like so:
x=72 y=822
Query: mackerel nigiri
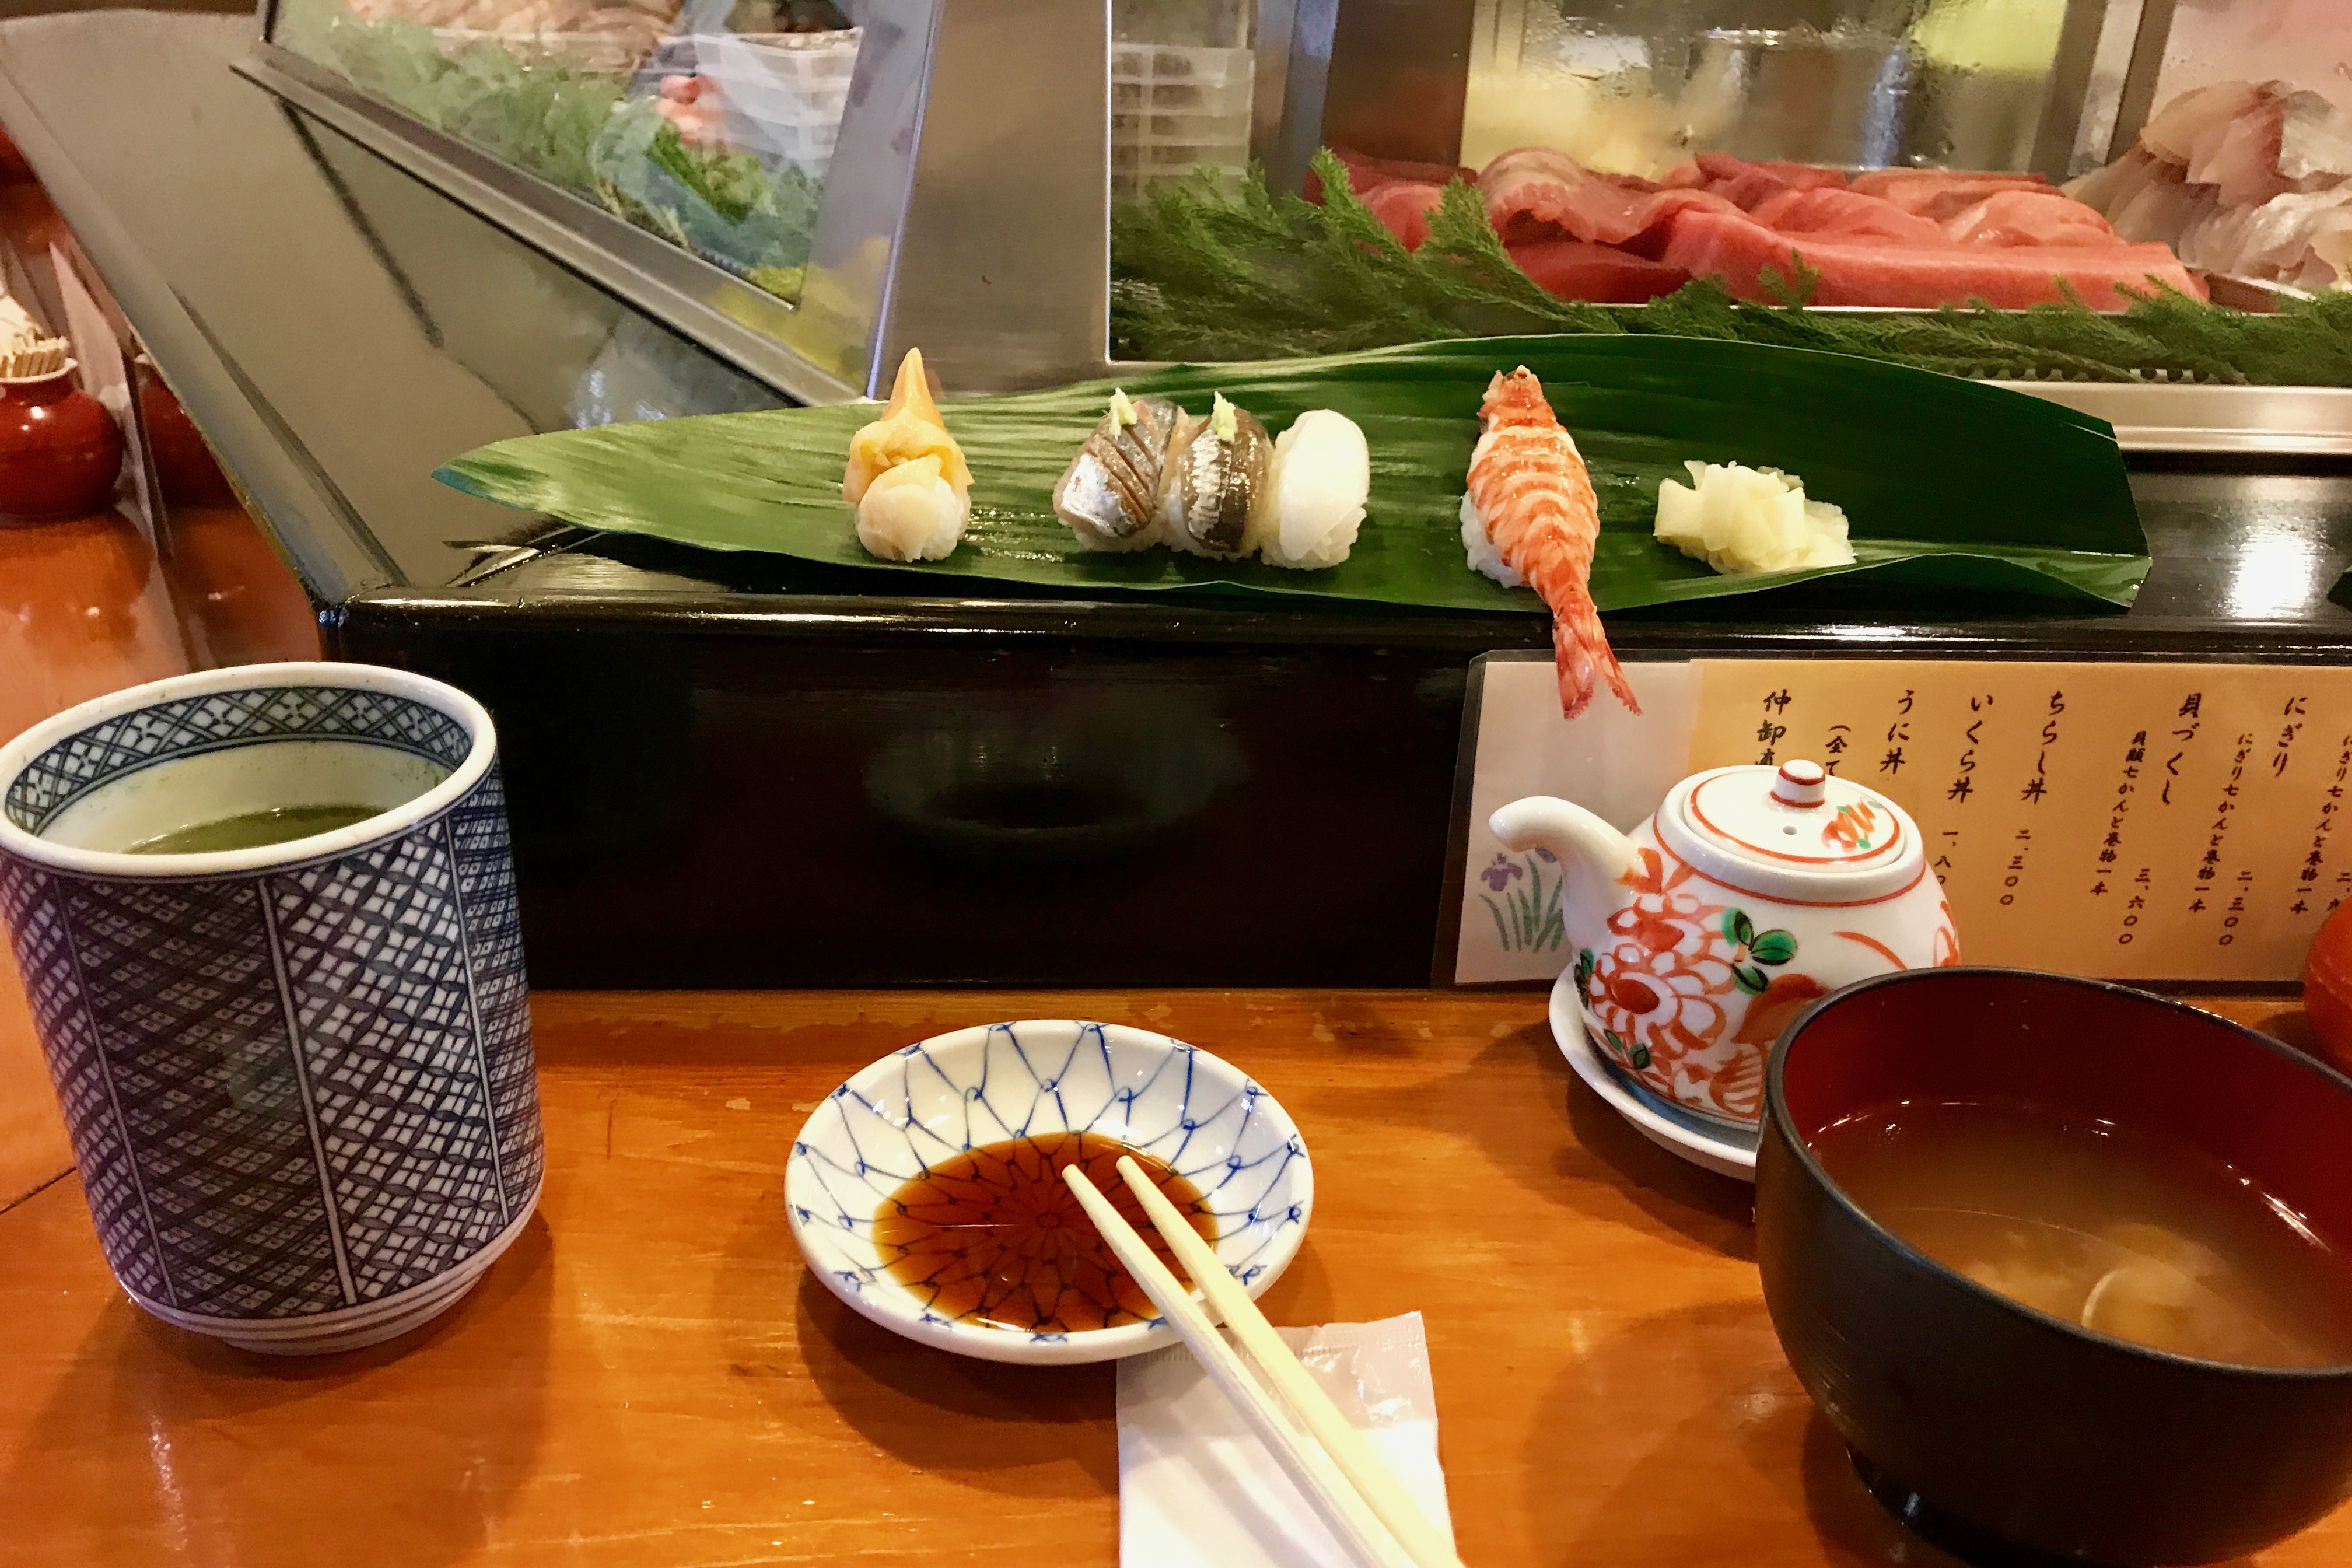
x=1110 y=495
x=1531 y=517
x=1216 y=488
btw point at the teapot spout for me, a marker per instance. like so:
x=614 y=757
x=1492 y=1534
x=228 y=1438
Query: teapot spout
x=1601 y=854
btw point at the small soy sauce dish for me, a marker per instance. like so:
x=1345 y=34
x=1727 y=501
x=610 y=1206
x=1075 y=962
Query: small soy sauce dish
x=926 y=1190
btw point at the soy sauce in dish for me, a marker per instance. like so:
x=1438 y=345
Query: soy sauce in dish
x=995 y=1236
x=2122 y=1231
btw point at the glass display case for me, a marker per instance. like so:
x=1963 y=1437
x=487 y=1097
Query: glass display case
x=2252 y=92
x=711 y=125
x=803 y=186
x=808 y=187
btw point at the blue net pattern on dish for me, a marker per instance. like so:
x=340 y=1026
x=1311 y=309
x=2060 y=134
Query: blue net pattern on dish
x=937 y=1098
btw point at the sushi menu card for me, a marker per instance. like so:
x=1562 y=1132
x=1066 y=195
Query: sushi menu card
x=2129 y=821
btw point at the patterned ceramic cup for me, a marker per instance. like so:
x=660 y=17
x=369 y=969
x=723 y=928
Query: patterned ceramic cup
x=298 y=1077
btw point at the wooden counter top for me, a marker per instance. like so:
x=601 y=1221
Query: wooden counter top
x=649 y=1378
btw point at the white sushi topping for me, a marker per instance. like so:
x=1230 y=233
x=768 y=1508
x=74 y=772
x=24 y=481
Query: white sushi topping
x=1223 y=424
x=1122 y=412
x=1322 y=477
x=912 y=514
x=1740 y=520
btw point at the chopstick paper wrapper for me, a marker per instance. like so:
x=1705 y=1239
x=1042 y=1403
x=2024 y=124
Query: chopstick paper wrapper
x=1196 y=1488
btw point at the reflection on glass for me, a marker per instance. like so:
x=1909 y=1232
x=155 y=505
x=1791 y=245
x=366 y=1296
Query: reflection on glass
x=1181 y=79
x=1636 y=87
x=712 y=125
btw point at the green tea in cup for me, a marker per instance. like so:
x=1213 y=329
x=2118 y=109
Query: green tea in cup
x=252 y=829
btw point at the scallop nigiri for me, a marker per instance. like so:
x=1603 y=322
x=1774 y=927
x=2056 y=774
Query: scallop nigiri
x=1531 y=517
x=907 y=476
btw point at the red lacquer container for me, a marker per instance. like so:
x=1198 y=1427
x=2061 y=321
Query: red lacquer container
x=184 y=464
x=59 y=449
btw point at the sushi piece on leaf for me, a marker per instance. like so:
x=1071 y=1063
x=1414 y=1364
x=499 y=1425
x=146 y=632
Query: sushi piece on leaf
x=1531 y=517
x=1217 y=491
x=906 y=475
x=1322 y=477
x=1110 y=495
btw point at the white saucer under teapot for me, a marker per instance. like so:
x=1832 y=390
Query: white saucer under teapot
x=1749 y=893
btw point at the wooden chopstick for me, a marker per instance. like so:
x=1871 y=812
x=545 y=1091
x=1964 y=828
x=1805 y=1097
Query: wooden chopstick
x=1356 y=1460
x=1340 y=1507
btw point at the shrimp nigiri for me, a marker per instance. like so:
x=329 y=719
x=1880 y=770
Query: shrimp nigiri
x=1531 y=517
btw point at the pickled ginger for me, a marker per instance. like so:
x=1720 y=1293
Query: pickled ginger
x=1740 y=520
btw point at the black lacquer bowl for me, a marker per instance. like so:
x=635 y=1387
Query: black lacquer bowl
x=2007 y=1428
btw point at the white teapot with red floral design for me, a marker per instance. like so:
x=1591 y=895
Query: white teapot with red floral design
x=1748 y=893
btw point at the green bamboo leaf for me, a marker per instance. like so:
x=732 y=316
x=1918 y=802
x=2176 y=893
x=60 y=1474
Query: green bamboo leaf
x=1926 y=467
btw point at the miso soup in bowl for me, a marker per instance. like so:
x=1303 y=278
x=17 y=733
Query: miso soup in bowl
x=2068 y=1266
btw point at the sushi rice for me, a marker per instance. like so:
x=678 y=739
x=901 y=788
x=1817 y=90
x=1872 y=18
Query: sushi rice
x=1485 y=559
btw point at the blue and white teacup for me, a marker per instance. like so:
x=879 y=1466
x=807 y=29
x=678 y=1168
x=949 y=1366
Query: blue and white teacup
x=298 y=1077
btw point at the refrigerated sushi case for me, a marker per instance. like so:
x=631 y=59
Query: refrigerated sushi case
x=942 y=172
x=2055 y=88
x=956 y=158
x=2050 y=86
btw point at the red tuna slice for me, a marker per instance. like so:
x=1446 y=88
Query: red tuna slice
x=1580 y=269
x=2016 y=217
x=1366 y=174
x=1403 y=208
x=1747 y=184
x=1535 y=192
x=1867 y=273
x=1801 y=176
x=1849 y=214
x=1941 y=193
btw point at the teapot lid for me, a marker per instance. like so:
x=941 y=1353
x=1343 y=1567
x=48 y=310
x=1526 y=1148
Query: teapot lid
x=1767 y=829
